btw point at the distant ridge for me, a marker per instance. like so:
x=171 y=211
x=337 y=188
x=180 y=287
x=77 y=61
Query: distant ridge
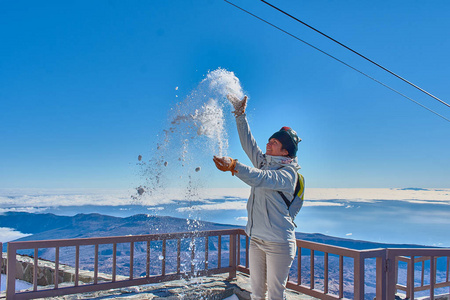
x=352 y=244
x=51 y=226
x=413 y=189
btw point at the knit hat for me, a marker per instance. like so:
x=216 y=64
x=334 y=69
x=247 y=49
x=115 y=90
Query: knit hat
x=288 y=138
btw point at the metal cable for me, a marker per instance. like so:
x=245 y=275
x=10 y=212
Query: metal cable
x=357 y=53
x=342 y=62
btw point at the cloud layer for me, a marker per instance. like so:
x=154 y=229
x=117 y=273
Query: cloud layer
x=206 y=199
x=411 y=216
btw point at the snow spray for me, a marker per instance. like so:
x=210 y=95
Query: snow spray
x=177 y=168
x=201 y=114
x=196 y=130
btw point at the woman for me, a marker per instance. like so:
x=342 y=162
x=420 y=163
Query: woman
x=270 y=227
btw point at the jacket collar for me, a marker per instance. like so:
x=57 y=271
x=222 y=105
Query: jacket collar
x=282 y=160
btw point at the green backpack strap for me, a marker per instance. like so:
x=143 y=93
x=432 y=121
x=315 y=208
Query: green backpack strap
x=299 y=188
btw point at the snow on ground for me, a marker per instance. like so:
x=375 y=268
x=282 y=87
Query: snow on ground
x=20 y=285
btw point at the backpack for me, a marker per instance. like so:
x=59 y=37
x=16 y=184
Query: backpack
x=296 y=203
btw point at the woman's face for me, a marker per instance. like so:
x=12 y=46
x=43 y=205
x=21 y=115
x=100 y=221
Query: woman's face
x=275 y=148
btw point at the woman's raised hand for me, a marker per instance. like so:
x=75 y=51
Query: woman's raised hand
x=239 y=105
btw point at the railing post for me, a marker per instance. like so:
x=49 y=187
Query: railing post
x=325 y=273
x=410 y=278
x=247 y=251
x=358 y=277
x=114 y=262
x=56 y=267
x=1 y=261
x=311 y=269
x=219 y=251
x=96 y=264
x=299 y=265
x=232 y=273
x=432 y=276
x=178 y=255
x=192 y=256
x=35 y=268
x=163 y=262
x=206 y=252
x=238 y=252
x=77 y=264
x=11 y=272
x=381 y=276
x=391 y=281
x=341 y=276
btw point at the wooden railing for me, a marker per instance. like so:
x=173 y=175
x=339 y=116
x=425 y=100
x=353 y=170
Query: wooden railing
x=331 y=261
x=386 y=270
x=96 y=285
x=358 y=269
x=411 y=257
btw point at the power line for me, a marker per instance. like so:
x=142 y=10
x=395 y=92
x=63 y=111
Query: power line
x=337 y=59
x=357 y=53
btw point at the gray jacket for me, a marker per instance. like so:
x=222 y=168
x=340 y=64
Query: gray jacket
x=268 y=216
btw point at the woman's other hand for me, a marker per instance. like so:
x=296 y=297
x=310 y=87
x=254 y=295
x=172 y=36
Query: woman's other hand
x=225 y=164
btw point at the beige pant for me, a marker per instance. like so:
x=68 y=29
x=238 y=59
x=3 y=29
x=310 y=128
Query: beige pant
x=269 y=268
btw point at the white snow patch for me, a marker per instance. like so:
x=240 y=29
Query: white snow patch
x=9 y=234
x=20 y=284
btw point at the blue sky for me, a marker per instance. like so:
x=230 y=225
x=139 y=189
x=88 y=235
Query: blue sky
x=85 y=87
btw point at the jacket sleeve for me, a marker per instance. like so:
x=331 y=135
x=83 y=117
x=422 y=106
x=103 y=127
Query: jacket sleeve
x=282 y=180
x=248 y=143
